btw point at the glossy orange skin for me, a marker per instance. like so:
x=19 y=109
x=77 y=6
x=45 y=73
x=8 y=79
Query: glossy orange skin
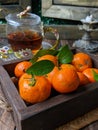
x=21 y=67
x=89 y=73
x=38 y=92
x=52 y=73
x=49 y=57
x=64 y=66
x=83 y=79
x=66 y=79
x=82 y=61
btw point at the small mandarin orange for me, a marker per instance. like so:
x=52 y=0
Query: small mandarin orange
x=34 y=89
x=52 y=73
x=83 y=79
x=21 y=67
x=82 y=61
x=89 y=73
x=66 y=79
x=49 y=57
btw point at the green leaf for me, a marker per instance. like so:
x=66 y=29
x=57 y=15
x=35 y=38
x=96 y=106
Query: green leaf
x=95 y=75
x=43 y=52
x=41 y=68
x=65 y=55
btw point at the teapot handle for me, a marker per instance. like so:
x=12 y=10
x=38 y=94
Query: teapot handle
x=55 y=33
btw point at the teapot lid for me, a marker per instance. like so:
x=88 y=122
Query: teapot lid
x=28 y=19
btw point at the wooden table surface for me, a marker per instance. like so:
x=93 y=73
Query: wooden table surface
x=83 y=123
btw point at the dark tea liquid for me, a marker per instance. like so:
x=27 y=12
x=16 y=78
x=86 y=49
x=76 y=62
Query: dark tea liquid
x=27 y=39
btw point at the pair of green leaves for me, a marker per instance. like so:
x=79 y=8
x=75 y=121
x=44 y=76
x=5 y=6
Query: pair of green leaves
x=43 y=67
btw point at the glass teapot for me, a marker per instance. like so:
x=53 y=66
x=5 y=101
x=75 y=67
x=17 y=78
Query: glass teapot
x=24 y=31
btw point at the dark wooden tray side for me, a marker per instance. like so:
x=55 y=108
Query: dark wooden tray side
x=12 y=95
x=55 y=111
x=60 y=109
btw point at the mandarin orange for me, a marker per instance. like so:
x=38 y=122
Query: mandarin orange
x=52 y=73
x=21 y=67
x=83 y=79
x=89 y=73
x=66 y=79
x=34 y=89
x=49 y=57
x=82 y=61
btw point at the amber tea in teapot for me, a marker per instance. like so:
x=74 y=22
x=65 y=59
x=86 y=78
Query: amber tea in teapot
x=27 y=39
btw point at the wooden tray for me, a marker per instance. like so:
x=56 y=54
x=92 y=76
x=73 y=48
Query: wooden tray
x=55 y=111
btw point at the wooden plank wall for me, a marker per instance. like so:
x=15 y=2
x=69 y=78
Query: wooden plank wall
x=63 y=11
x=65 y=31
x=77 y=2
